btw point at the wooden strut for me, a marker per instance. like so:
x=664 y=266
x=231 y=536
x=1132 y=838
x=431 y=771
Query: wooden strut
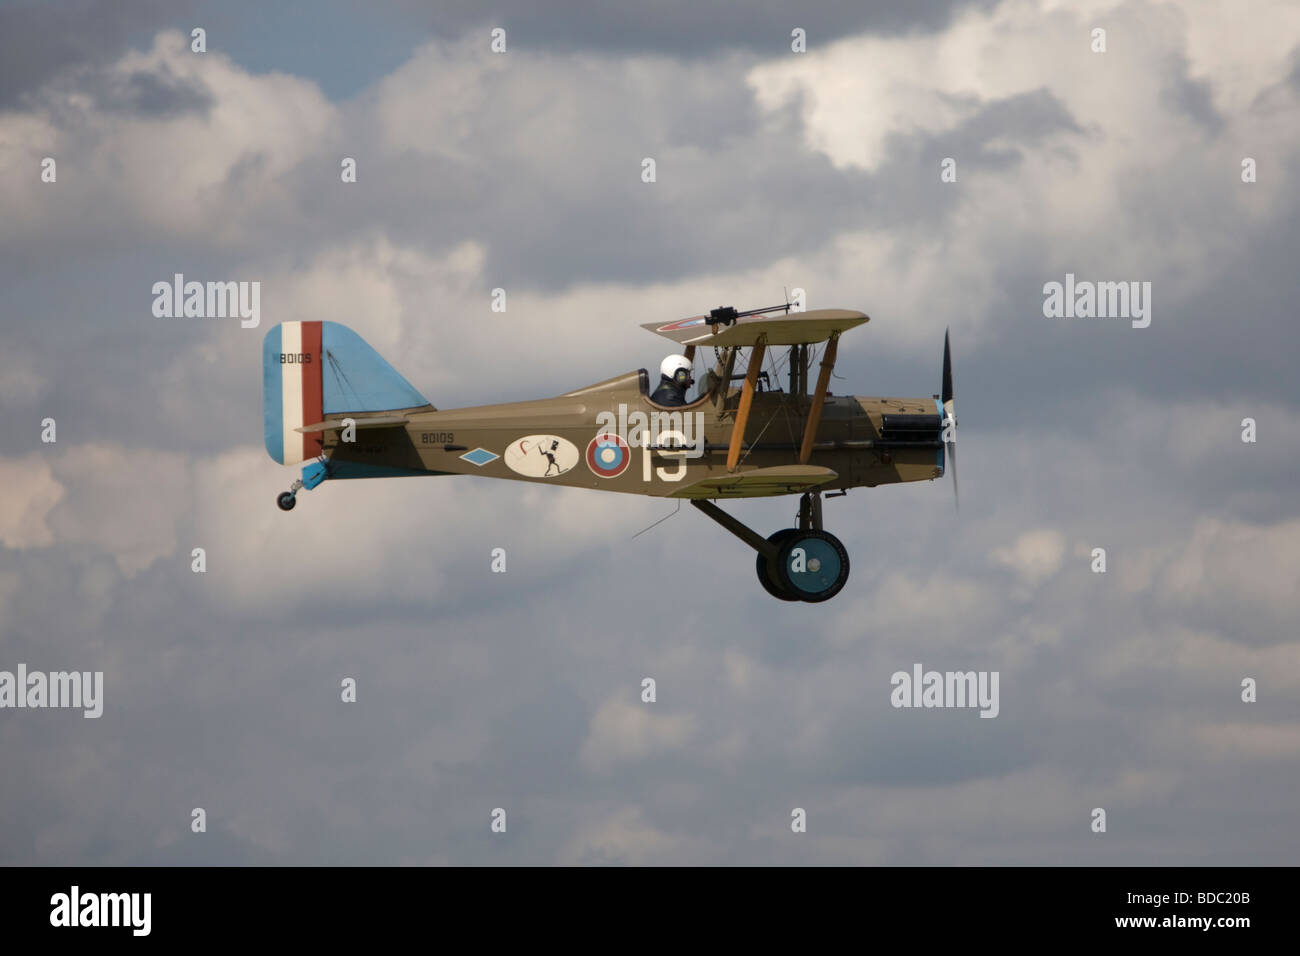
x=690 y=354
x=819 y=399
x=746 y=400
x=728 y=365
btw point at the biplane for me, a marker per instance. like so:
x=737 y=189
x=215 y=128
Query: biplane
x=332 y=403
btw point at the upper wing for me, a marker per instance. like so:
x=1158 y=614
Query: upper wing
x=794 y=328
x=757 y=482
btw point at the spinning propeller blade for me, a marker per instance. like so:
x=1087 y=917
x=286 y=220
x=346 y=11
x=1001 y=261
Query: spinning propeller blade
x=950 y=414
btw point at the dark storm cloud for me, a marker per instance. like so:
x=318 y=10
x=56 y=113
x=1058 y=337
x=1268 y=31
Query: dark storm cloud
x=1294 y=76
x=1025 y=119
x=156 y=95
x=40 y=40
x=732 y=189
x=1192 y=97
x=686 y=28
x=1229 y=342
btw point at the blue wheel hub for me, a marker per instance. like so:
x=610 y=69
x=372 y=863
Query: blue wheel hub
x=813 y=565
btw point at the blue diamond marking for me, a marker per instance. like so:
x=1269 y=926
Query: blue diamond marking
x=480 y=456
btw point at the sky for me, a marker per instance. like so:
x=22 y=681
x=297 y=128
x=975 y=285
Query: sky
x=522 y=691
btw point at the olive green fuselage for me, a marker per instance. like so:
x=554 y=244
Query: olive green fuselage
x=559 y=440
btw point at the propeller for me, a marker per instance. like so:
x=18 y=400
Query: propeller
x=950 y=415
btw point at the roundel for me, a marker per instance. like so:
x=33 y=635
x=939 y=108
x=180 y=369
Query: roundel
x=608 y=456
x=683 y=324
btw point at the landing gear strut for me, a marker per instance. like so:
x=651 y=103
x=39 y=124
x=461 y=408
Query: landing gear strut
x=312 y=475
x=287 y=499
x=794 y=564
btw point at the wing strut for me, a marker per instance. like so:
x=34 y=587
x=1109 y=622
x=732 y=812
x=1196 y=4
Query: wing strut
x=819 y=398
x=746 y=400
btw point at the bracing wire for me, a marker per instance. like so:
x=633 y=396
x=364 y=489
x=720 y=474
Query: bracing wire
x=659 y=522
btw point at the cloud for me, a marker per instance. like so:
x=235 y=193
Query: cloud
x=680 y=28
x=621 y=838
x=520 y=690
x=178 y=135
x=30 y=493
x=40 y=41
x=624 y=731
x=1235 y=741
x=1034 y=556
x=1230 y=572
x=120 y=502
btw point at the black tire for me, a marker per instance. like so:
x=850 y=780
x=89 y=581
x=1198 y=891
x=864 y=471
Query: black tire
x=766 y=575
x=286 y=501
x=825 y=566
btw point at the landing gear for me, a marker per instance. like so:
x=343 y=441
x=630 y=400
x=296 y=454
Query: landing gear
x=287 y=499
x=793 y=564
x=811 y=565
x=768 y=572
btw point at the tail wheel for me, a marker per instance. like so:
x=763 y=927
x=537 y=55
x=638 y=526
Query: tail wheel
x=811 y=565
x=286 y=500
x=767 y=572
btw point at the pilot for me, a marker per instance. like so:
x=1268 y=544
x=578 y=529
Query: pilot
x=674 y=379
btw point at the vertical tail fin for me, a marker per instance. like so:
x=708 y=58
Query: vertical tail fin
x=314 y=369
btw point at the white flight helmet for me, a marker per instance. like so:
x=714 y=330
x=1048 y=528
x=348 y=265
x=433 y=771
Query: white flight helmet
x=677 y=368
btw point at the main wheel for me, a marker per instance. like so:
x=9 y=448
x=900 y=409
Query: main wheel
x=287 y=500
x=767 y=573
x=811 y=565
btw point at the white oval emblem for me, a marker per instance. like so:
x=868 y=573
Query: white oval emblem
x=541 y=456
